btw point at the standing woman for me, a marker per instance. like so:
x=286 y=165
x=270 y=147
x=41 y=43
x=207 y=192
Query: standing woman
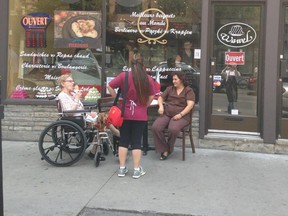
x=230 y=75
x=179 y=100
x=139 y=96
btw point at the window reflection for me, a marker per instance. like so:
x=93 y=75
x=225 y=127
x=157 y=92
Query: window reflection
x=138 y=28
x=34 y=69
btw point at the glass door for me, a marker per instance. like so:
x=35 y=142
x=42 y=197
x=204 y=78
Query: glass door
x=235 y=67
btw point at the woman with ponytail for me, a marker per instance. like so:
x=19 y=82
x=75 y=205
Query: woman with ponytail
x=139 y=96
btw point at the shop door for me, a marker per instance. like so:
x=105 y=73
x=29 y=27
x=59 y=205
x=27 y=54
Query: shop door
x=235 y=70
x=283 y=76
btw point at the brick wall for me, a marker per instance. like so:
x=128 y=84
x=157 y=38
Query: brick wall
x=26 y=122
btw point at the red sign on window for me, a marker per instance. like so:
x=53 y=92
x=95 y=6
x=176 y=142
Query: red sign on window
x=237 y=58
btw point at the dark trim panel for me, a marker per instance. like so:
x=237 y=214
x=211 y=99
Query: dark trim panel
x=4 y=5
x=271 y=68
x=204 y=65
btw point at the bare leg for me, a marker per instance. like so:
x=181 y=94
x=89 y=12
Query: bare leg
x=114 y=130
x=122 y=155
x=136 y=153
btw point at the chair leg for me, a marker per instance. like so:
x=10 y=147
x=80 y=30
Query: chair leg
x=191 y=141
x=183 y=145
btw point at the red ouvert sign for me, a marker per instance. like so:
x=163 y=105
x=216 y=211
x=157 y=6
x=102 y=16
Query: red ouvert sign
x=237 y=58
x=35 y=25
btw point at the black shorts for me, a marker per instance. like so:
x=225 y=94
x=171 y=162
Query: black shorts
x=131 y=133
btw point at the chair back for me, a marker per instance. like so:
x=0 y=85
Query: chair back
x=189 y=126
x=187 y=130
x=104 y=104
x=58 y=105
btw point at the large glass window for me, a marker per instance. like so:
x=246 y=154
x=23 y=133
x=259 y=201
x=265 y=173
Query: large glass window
x=166 y=32
x=49 y=38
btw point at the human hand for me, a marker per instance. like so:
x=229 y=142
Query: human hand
x=161 y=110
x=78 y=94
x=177 y=117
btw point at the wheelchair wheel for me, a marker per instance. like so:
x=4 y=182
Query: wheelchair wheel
x=97 y=159
x=105 y=148
x=62 y=143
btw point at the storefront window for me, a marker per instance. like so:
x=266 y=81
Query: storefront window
x=161 y=30
x=49 y=38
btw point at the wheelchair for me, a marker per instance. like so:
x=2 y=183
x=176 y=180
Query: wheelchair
x=64 y=142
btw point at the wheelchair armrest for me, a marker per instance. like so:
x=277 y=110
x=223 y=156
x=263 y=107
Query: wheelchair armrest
x=53 y=97
x=89 y=104
x=76 y=111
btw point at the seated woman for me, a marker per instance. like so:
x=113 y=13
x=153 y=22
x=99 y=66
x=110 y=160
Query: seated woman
x=179 y=99
x=69 y=99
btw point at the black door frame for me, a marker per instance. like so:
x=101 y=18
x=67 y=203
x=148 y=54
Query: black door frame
x=234 y=123
x=270 y=62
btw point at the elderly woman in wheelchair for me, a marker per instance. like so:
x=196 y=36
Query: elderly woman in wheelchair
x=64 y=142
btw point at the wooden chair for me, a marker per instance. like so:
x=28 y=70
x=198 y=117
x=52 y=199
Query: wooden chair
x=187 y=130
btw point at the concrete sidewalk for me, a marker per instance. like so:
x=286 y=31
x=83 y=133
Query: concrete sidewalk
x=208 y=183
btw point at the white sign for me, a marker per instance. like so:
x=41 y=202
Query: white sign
x=197 y=53
x=234 y=112
x=236 y=34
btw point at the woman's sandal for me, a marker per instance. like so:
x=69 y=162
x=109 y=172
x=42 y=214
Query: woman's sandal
x=164 y=157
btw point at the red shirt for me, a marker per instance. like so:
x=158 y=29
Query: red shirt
x=133 y=109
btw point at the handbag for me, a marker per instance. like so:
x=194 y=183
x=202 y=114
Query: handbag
x=115 y=115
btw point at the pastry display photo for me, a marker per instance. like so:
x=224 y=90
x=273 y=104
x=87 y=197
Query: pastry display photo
x=81 y=27
x=78 y=29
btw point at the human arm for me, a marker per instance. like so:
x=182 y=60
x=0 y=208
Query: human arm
x=70 y=103
x=224 y=70
x=161 y=105
x=111 y=90
x=116 y=82
x=238 y=73
x=151 y=97
x=153 y=90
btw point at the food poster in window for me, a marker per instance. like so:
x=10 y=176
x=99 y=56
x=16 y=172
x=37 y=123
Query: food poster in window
x=77 y=29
